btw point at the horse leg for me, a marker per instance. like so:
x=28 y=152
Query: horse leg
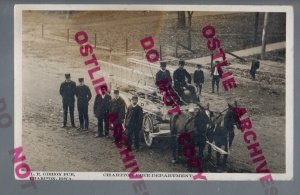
x=227 y=146
x=218 y=156
x=201 y=149
x=225 y=158
x=209 y=152
x=208 y=146
x=174 y=144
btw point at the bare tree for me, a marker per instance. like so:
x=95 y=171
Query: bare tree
x=256 y=27
x=190 y=14
x=264 y=34
x=181 y=19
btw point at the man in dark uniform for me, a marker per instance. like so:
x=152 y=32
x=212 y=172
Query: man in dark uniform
x=179 y=76
x=117 y=106
x=84 y=95
x=101 y=111
x=254 y=67
x=199 y=78
x=133 y=123
x=163 y=76
x=163 y=81
x=67 y=91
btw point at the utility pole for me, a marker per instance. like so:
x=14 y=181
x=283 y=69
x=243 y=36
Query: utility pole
x=264 y=35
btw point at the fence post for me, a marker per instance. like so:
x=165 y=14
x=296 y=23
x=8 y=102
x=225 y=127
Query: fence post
x=110 y=54
x=68 y=35
x=42 y=30
x=176 y=54
x=211 y=62
x=160 y=53
x=95 y=45
x=126 y=46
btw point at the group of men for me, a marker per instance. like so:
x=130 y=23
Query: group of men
x=182 y=79
x=104 y=105
x=68 y=90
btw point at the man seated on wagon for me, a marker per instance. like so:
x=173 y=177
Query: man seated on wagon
x=183 y=88
x=163 y=76
x=163 y=81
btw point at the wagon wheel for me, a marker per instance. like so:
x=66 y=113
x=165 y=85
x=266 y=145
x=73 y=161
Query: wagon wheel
x=148 y=130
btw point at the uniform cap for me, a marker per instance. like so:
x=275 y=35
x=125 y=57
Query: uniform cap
x=135 y=97
x=181 y=62
x=116 y=91
x=81 y=79
x=67 y=75
x=163 y=64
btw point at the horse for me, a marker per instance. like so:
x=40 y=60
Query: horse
x=221 y=132
x=185 y=93
x=195 y=123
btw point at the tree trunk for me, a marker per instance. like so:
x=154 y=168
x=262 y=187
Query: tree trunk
x=190 y=14
x=256 y=26
x=264 y=35
x=181 y=19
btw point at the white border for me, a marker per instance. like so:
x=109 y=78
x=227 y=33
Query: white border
x=226 y=8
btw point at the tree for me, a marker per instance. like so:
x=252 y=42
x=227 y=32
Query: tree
x=264 y=34
x=190 y=14
x=181 y=19
x=256 y=27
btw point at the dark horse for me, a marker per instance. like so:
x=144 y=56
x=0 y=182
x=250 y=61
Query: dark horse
x=195 y=123
x=221 y=132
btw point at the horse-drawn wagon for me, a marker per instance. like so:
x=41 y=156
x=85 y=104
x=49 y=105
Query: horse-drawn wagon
x=137 y=78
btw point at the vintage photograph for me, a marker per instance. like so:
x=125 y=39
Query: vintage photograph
x=162 y=91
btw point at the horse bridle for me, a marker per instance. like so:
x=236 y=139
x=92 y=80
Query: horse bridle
x=220 y=114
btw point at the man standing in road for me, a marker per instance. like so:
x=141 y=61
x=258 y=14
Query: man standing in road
x=101 y=111
x=67 y=91
x=133 y=123
x=84 y=95
x=215 y=78
x=117 y=107
x=199 y=78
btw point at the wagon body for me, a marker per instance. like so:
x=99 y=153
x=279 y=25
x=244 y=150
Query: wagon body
x=137 y=78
